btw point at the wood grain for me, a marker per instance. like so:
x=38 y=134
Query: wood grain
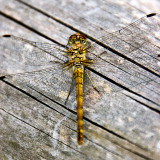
x=117 y=125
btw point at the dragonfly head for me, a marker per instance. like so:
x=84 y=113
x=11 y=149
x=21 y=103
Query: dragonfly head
x=77 y=38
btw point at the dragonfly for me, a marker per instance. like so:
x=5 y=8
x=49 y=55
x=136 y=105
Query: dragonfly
x=56 y=70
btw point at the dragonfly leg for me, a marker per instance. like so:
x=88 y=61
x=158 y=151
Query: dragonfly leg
x=91 y=81
x=69 y=90
x=97 y=56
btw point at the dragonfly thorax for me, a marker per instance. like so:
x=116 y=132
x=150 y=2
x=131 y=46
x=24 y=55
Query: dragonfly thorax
x=76 y=49
x=76 y=52
x=77 y=57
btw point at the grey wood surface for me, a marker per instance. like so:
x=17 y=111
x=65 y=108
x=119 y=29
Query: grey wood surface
x=117 y=125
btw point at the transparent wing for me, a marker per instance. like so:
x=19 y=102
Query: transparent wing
x=52 y=81
x=112 y=74
x=134 y=41
x=132 y=36
x=131 y=41
x=41 y=64
x=32 y=54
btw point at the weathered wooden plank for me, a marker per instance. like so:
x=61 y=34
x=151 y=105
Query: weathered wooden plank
x=147 y=60
x=117 y=77
x=146 y=7
x=82 y=20
x=122 y=110
x=41 y=119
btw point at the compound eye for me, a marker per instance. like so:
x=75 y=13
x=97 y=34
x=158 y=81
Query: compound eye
x=82 y=36
x=72 y=36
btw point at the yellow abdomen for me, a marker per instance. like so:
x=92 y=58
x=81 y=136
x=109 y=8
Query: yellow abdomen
x=78 y=76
